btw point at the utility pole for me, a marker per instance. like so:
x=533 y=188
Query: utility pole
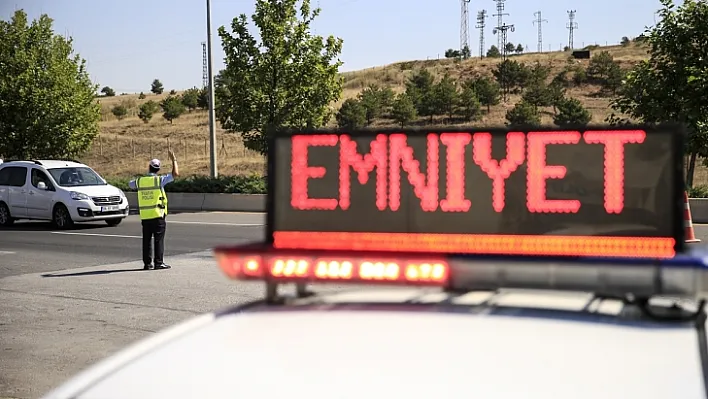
x=481 y=24
x=500 y=19
x=540 y=22
x=502 y=31
x=571 y=27
x=212 y=116
x=464 y=28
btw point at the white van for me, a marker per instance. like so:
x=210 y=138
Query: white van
x=64 y=192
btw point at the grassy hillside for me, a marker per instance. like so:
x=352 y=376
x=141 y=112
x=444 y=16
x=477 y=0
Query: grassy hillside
x=125 y=146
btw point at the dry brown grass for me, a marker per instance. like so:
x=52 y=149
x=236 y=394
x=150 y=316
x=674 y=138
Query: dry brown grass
x=125 y=146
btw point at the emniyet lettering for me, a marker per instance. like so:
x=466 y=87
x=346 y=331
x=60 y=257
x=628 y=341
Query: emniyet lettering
x=390 y=155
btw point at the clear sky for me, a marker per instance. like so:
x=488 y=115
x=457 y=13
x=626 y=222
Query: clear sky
x=128 y=43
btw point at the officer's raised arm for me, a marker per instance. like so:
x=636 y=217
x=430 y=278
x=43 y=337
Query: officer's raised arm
x=175 y=167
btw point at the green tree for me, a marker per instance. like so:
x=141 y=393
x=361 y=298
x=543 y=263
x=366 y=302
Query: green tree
x=203 y=98
x=420 y=89
x=108 y=92
x=625 y=41
x=493 y=52
x=446 y=96
x=556 y=94
x=376 y=100
x=451 y=53
x=120 y=111
x=157 y=87
x=538 y=95
x=523 y=114
x=287 y=80
x=147 y=110
x=403 y=110
x=511 y=75
x=600 y=66
x=672 y=84
x=487 y=90
x=470 y=107
x=510 y=48
x=519 y=49
x=571 y=113
x=538 y=74
x=190 y=98
x=172 y=108
x=352 y=114
x=141 y=96
x=465 y=52
x=48 y=107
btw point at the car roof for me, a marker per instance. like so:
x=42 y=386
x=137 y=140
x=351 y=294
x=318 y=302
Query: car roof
x=46 y=163
x=345 y=346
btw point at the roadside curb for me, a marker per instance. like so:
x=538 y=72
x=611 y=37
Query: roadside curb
x=257 y=203
x=209 y=202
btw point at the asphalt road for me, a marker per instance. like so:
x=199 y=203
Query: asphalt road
x=98 y=300
x=34 y=247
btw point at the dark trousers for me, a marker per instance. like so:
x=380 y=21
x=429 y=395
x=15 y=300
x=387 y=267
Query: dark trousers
x=154 y=228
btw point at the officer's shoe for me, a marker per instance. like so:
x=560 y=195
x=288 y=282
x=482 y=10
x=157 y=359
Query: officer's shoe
x=162 y=266
x=149 y=267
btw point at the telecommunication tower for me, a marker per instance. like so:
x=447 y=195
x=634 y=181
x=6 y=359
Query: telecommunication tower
x=464 y=26
x=205 y=67
x=572 y=25
x=481 y=24
x=500 y=20
x=540 y=22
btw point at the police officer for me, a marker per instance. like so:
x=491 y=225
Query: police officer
x=152 y=203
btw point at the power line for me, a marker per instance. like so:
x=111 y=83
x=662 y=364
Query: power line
x=571 y=27
x=481 y=24
x=500 y=19
x=502 y=31
x=540 y=22
x=464 y=27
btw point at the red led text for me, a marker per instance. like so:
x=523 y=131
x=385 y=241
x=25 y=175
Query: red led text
x=391 y=157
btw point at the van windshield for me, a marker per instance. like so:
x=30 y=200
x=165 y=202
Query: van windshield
x=75 y=177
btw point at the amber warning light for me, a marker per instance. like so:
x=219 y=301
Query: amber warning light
x=598 y=192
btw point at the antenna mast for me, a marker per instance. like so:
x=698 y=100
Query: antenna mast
x=464 y=28
x=500 y=21
x=540 y=22
x=481 y=24
x=571 y=27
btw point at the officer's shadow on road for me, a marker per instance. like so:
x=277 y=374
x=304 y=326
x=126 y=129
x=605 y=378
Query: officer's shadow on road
x=92 y=273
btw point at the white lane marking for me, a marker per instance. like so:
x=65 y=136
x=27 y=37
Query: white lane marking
x=216 y=223
x=7 y=253
x=94 y=235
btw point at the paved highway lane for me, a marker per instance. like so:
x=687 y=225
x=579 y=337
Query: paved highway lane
x=35 y=247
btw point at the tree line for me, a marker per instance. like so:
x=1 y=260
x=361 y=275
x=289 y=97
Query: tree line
x=466 y=99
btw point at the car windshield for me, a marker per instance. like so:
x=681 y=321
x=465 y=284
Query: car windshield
x=74 y=177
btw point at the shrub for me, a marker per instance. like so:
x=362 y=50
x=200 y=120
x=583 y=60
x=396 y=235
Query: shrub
x=239 y=184
x=700 y=191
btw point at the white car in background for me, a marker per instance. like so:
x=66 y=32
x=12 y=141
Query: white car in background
x=64 y=192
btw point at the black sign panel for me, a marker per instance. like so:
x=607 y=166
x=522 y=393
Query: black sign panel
x=600 y=182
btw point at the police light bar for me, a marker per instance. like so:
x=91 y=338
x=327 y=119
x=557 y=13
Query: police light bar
x=683 y=276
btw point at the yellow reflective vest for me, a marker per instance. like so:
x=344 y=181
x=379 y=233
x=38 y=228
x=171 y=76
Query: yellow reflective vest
x=152 y=199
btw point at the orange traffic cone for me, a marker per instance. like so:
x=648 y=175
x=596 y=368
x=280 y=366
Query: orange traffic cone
x=687 y=221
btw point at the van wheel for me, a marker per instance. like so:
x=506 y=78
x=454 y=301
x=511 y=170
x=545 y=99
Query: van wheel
x=5 y=218
x=61 y=217
x=114 y=222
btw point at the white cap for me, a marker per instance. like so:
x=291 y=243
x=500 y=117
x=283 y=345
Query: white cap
x=155 y=163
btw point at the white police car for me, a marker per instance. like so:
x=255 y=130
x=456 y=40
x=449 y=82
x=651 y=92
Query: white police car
x=64 y=192
x=468 y=305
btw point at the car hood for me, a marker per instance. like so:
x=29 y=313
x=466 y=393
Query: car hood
x=95 y=191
